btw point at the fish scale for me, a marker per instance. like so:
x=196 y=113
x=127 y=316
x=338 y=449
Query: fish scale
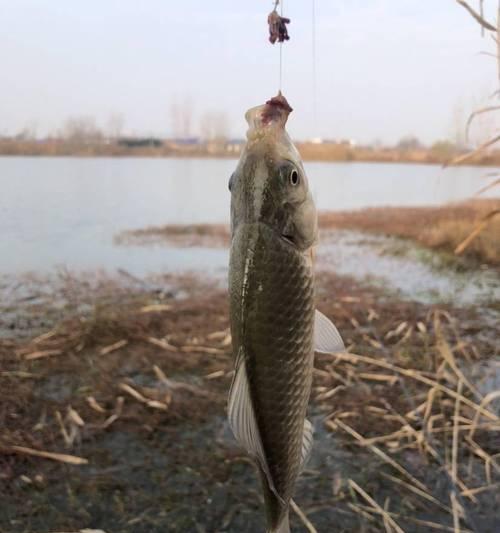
x=276 y=328
x=273 y=319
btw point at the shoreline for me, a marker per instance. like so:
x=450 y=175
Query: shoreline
x=202 y=157
x=309 y=153
x=439 y=229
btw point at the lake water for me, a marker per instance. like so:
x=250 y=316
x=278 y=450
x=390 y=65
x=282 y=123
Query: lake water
x=65 y=211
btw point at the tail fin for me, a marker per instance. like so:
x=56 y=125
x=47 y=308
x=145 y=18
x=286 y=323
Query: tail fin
x=276 y=509
x=284 y=527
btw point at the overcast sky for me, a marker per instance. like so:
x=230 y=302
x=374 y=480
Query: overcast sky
x=385 y=68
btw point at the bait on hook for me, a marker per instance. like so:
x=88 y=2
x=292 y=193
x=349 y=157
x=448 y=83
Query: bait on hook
x=278 y=32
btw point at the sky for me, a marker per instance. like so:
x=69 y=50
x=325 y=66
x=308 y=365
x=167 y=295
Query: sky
x=385 y=68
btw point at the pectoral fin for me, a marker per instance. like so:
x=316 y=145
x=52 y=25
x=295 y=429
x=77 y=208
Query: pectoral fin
x=284 y=527
x=327 y=339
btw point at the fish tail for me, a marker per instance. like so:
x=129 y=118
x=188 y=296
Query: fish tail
x=277 y=513
x=284 y=526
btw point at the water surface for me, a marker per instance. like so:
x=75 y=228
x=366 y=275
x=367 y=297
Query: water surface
x=65 y=211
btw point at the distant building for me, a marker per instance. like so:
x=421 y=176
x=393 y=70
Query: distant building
x=140 y=142
x=186 y=141
x=342 y=142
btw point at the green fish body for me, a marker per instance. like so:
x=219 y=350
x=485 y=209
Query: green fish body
x=274 y=325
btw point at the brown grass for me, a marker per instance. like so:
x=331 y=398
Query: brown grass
x=441 y=228
x=403 y=404
x=207 y=235
x=430 y=410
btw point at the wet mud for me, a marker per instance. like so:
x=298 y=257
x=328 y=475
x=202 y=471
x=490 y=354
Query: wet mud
x=131 y=375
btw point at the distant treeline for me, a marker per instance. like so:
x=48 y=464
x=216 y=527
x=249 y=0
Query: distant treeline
x=439 y=153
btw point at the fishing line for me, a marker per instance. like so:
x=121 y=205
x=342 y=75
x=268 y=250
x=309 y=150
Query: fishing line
x=278 y=32
x=281 y=50
x=314 y=69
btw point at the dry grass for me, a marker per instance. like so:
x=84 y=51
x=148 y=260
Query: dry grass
x=119 y=324
x=429 y=410
x=442 y=228
x=206 y=235
x=400 y=400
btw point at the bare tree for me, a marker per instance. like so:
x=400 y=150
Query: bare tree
x=186 y=117
x=214 y=126
x=116 y=123
x=175 y=119
x=493 y=29
x=457 y=126
x=81 y=130
x=181 y=115
x=28 y=133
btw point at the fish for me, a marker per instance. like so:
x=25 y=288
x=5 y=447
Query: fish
x=275 y=327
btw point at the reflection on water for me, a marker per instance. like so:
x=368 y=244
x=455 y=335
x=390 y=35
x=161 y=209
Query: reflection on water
x=65 y=211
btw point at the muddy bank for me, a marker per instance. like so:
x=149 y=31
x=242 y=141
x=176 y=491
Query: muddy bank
x=411 y=271
x=205 y=235
x=130 y=376
x=391 y=256
x=438 y=228
x=441 y=229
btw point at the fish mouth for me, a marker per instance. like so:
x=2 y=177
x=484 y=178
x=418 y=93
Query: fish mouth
x=268 y=119
x=276 y=109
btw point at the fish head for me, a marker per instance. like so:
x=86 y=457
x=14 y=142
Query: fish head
x=270 y=185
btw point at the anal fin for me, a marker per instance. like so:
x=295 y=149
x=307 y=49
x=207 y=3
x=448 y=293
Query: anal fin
x=307 y=442
x=243 y=422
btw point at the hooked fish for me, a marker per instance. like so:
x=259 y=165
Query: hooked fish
x=274 y=325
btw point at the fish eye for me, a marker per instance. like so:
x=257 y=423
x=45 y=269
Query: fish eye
x=294 y=178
